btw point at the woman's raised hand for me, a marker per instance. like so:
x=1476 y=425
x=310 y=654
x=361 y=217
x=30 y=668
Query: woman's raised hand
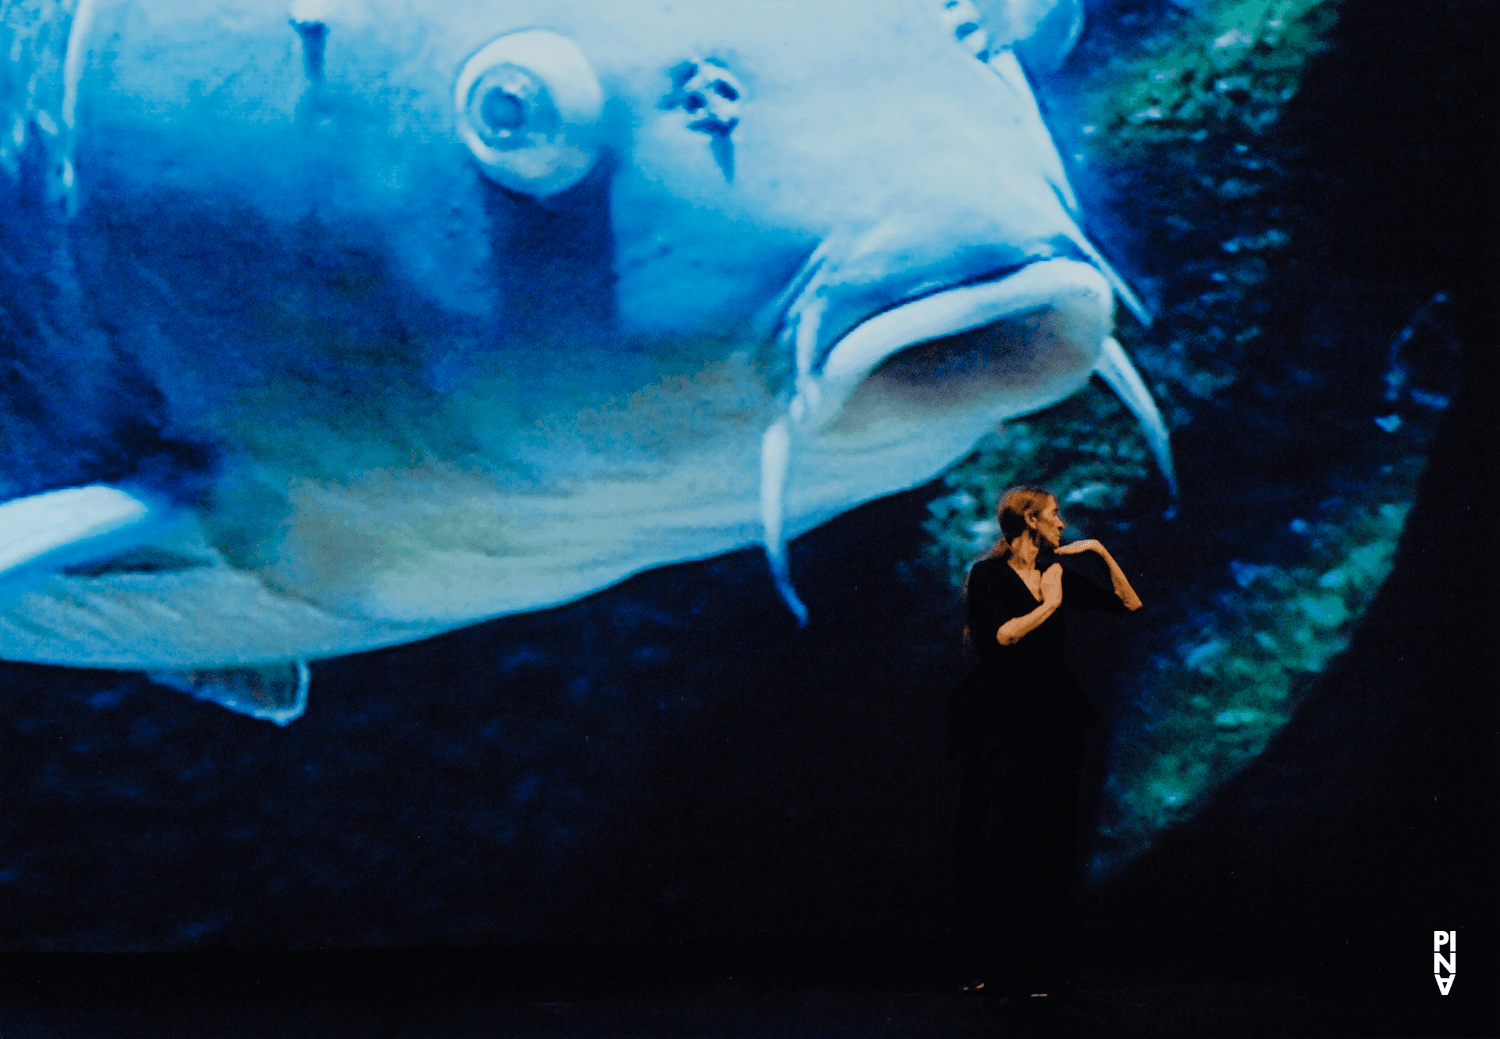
x=1052 y=585
x=1117 y=576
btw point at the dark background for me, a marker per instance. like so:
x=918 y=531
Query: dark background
x=672 y=760
x=1375 y=808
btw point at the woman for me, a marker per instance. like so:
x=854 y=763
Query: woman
x=1019 y=718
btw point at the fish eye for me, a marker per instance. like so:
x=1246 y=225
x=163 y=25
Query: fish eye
x=529 y=108
x=501 y=111
x=508 y=105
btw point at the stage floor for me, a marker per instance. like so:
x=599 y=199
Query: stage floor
x=1153 y=988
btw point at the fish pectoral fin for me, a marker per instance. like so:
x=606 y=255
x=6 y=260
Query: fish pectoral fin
x=45 y=532
x=276 y=692
x=1115 y=367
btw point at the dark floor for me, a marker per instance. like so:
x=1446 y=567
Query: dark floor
x=1314 y=986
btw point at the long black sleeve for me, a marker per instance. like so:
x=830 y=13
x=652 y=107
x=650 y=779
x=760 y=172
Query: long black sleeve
x=1080 y=593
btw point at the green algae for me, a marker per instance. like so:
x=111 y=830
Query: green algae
x=1223 y=75
x=1241 y=669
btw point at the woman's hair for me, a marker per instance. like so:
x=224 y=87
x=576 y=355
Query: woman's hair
x=1014 y=507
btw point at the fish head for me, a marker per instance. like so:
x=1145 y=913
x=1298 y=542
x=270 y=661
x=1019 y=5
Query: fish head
x=364 y=142
x=485 y=306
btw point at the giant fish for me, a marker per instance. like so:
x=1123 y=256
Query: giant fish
x=339 y=325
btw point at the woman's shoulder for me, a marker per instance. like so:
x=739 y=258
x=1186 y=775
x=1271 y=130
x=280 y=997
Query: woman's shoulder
x=984 y=569
x=989 y=563
x=990 y=571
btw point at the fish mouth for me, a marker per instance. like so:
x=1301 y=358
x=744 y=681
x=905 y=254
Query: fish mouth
x=979 y=351
x=937 y=379
x=1013 y=341
x=1001 y=346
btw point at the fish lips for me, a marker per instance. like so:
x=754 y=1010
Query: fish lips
x=1011 y=341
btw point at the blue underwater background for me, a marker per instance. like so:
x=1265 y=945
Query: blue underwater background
x=1297 y=733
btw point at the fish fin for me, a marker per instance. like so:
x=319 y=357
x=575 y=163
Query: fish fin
x=45 y=532
x=775 y=459
x=1115 y=367
x=276 y=692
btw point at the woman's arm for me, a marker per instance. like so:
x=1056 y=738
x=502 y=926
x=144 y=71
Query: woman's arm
x=1013 y=630
x=1117 y=576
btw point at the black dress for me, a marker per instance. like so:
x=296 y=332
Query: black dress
x=1018 y=722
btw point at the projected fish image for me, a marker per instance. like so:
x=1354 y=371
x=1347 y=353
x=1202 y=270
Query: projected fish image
x=339 y=326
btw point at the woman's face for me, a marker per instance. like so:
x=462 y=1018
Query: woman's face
x=1049 y=526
